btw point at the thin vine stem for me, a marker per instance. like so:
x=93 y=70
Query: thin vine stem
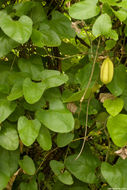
x=86 y=127
x=82 y=98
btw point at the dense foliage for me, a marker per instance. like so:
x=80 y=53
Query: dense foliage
x=61 y=127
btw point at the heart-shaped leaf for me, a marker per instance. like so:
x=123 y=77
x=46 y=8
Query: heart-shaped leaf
x=19 y=31
x=60 y=121
x=114 y=107
x=102 y=25
x=32 y=91
x=115 y=175
x=117 y=128
x=84 y=167
x=27 y=165
x=28 y=130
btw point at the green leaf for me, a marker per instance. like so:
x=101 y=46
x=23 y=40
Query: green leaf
x=117 y=128
x=19 y=31
x=83 y=75
x=84 y=10
x=4 y=83
x=77 y=185
x=113 y=35
x=8 y=165
x=23 y=8
x=44 y=139
x=117 y=85
x=60 y=121
x=63 y=139
x=77 y=96
x=34 y=107
x=27 y=165
x=122 y=4
x=28 y=130
x=31 y=185
x=6 y=108
x=32 y=91
x=110 y=2
x=84 y=167
x=114 y=107
x=61 y=25
x=33 y=66
x=9 y=137
x=68 y=49
x=38 y=14
x=115 y=175
x=45 y=37
x=16 y=91
x=110 y=44
x=53 y=78
x=7 y=44
x=121 y=14
x=102 y=25
x=64 y=176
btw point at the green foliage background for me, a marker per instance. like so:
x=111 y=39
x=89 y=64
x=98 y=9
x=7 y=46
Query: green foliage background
x=60 y=127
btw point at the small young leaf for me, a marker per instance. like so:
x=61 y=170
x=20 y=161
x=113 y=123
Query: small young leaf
x=27 y=165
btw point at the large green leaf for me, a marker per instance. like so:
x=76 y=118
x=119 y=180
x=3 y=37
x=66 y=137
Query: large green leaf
x=45 y=37
x=23 y=8
x=114 y=107
x=7 y=44
x=64 y=176
x=61 y=25
x=6 y=108
x=60 y=121
x=84 y=10
x=33 y=66
x=8 y=165
x=9 y=137
x=38 y=14
x=53 y=78
x=117 y=85
x=44 y=138
x=19 y=31
x=32 y=91
x=28 y=130
x=117 y=128
x=115 y=175
x=27 y=165
x=84 y=167
x=102 y=25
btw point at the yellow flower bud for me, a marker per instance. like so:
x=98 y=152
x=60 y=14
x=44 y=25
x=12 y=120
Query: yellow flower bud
x=107 y=70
